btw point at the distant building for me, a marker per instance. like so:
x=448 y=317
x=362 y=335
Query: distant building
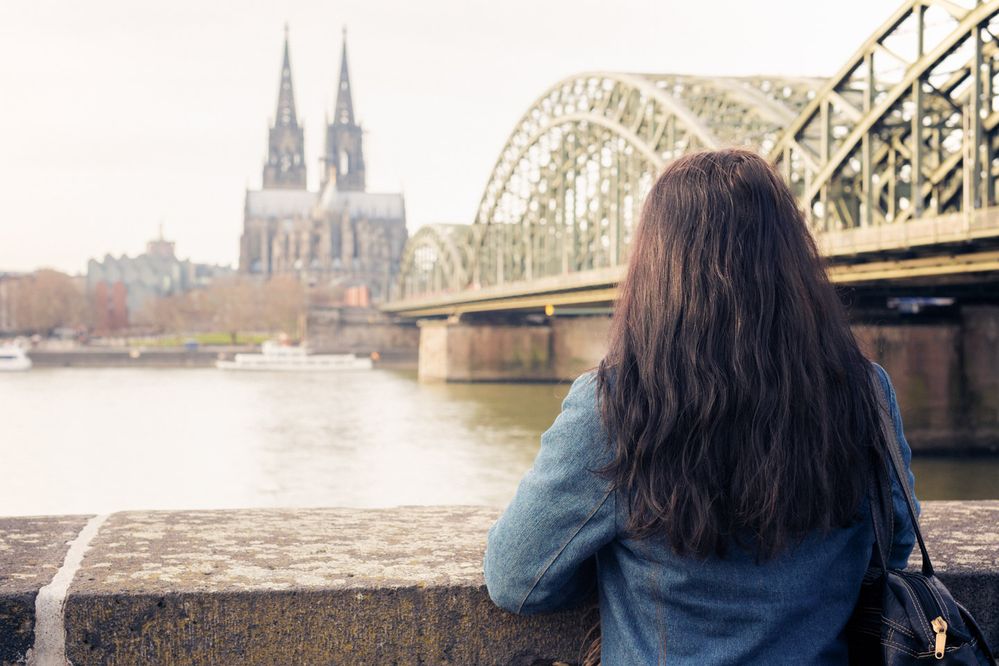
x=120 y=287
x=8 y=287
x=110 y=306
x=341 y=235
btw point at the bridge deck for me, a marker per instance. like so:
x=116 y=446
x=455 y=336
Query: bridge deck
x=958 y=246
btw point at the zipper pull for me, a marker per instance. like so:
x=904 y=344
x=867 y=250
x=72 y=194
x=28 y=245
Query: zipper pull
x=940 y=626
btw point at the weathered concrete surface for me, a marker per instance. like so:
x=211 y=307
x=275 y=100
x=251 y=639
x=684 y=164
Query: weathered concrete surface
x=322 y=586
x=463 y=352
x=31 y=551
x=362 y=331
x=341 y=586
x=963 y=541
x=980 y=364
x=946 y=375
x=579 y=344
x=486 y=352
x=946 y=372
x=432 y=361
x=924 y=363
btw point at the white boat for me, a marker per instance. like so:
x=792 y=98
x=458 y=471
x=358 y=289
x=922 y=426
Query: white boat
x=13 y=358
x=274 y=356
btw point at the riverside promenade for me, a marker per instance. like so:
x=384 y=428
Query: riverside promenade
x=324 y=586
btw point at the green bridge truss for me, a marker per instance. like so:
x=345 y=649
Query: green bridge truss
x=896 y=151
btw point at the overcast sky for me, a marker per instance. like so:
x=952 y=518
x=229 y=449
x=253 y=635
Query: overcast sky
x=118 y=115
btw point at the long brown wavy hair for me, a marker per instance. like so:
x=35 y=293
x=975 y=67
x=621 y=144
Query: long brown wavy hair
x=739 y=405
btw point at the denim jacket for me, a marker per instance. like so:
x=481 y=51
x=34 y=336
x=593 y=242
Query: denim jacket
x=563 y=532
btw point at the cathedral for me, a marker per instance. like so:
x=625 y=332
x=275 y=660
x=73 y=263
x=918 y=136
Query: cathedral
x=342 y=235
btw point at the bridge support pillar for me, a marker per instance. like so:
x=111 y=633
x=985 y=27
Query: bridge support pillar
x=472 y=352
x=578 y=343
x=561 y=348
x=945 y=370
x=946 y=376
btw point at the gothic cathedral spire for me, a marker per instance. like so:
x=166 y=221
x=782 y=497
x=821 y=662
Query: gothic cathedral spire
x=285 y=167
x=344 y=105
x=344 y=158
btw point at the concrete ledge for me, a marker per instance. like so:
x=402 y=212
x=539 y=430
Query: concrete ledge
x=339 y=586
x=31 y=551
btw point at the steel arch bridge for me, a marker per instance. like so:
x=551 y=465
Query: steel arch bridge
x=437 y=259
x=894 y=156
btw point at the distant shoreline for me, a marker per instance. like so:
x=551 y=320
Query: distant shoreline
x=90 y=357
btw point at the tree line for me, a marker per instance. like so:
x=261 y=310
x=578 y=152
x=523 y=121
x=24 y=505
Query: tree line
x=43 y=301
x=232 y=305
x=47 y=300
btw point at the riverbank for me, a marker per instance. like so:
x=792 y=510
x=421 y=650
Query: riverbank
x=165 y=357
x=85 y=357
x=399 y=585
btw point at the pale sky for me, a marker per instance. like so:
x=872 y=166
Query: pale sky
x=118 y=115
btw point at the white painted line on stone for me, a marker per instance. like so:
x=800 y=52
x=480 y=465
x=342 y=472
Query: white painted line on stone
x=50 y=621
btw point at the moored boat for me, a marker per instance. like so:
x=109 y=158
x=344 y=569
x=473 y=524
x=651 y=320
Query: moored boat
x=275 y=356
x=13 y=358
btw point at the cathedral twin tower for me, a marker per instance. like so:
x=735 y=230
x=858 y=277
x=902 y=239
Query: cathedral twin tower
x=339 y=236
x=343 y=159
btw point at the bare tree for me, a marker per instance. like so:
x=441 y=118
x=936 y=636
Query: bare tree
x=235 y=304
x=283 y=305
x=46 y=300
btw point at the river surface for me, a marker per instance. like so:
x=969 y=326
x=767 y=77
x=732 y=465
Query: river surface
x=80 y=440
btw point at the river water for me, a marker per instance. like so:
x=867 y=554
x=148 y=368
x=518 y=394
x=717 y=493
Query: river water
x=96 y=440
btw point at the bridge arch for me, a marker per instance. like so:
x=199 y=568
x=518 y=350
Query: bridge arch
x=565 y=192
x=906 y=127
x=435 y=260
x=898 y=150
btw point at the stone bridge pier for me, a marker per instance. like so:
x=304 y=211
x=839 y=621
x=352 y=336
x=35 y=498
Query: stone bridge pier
x=533 y=348
x=945 y=367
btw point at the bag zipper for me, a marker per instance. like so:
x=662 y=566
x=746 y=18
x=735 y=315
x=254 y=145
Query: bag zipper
x=940 y=627
x=921 y=589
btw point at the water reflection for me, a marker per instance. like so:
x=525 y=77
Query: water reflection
x=96 y=440
x=956 y=478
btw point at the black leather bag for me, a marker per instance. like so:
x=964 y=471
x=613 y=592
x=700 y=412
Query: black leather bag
x=904 y=617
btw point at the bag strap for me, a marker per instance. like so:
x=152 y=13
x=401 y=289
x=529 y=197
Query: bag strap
x=880 y=502
x=896 y=464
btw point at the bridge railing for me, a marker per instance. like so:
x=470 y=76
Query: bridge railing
x=940 y=229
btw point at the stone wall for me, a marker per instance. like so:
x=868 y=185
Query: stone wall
x=361 y=331
x=579 y=343
x=980 y=365
x=560 y=350
x=324 y=586
x=463 y=352
x=946 y=375
x=125 y=358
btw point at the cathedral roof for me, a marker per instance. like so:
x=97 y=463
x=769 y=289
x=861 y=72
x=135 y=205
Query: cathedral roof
x=370 y=205
x=280 y=203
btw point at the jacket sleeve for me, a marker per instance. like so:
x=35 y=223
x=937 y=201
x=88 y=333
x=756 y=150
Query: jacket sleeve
x=539 y=554
x=904 y=534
